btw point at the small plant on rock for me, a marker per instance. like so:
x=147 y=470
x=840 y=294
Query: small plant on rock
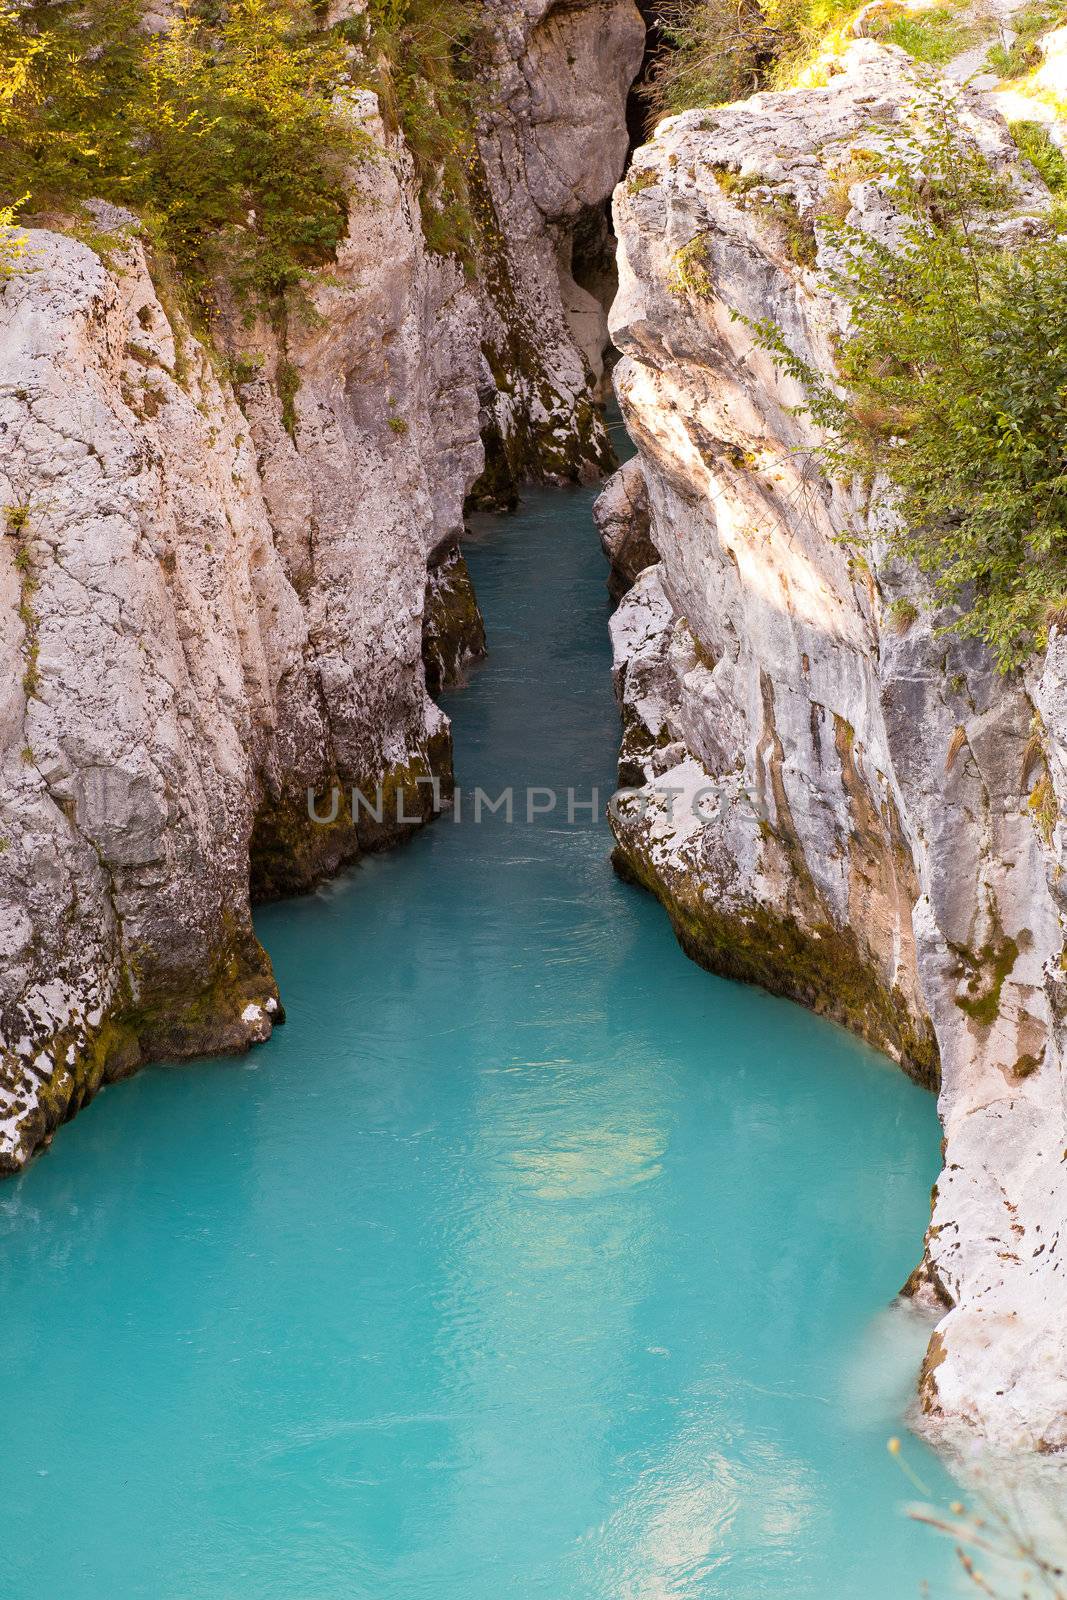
x=690 y=272
x=12 y=241
x=901 y=614
x=1040 y=149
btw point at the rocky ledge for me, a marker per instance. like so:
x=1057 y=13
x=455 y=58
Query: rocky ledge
x=834 y=799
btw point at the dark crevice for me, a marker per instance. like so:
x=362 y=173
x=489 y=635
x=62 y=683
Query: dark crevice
x=593 y=246
x=639 y=115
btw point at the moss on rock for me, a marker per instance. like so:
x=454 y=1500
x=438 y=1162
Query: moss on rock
x=823 y=967
x=167 y=1016
x=298 y=842
x=534 y=433
x=453 y=632
x=986 y=972
x=289 y=851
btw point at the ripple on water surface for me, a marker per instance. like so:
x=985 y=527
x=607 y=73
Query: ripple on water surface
x=528 y=1259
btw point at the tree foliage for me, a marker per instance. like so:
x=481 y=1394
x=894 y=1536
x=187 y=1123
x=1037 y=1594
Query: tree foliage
x=225 y=136
x=12 y=245
x=953 y=384
x=717 y=50
x=227 y=131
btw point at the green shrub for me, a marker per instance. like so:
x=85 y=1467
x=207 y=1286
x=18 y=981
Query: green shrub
x=712 y=51
x=1013 y=60
x=245 y=368
x=288 y=382
x=1028 y=24
x=225 y=137
x=954 y=386
x=12 y=242
x=226 y=132
x=1036 y=143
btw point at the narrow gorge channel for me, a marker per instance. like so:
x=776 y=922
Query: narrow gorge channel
x=526 y=1259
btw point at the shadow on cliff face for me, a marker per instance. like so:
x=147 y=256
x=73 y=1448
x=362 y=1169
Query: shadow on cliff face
x=639 y=117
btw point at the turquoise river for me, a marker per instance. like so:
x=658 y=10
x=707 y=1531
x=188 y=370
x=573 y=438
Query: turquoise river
x=527 y=1260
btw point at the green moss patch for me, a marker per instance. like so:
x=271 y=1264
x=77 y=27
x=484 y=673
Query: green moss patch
x=986 y=971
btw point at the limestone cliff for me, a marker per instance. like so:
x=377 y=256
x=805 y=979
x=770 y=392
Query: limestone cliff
x=219 y=565
x=835 y=800
x=551 y=149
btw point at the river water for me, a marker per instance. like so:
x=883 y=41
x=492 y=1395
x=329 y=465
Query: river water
x=527 y=1260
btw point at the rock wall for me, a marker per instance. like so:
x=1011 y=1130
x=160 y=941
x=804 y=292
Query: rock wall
x=218 y=567
x=835 y=800
x=624 y=519
x=553 y=144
